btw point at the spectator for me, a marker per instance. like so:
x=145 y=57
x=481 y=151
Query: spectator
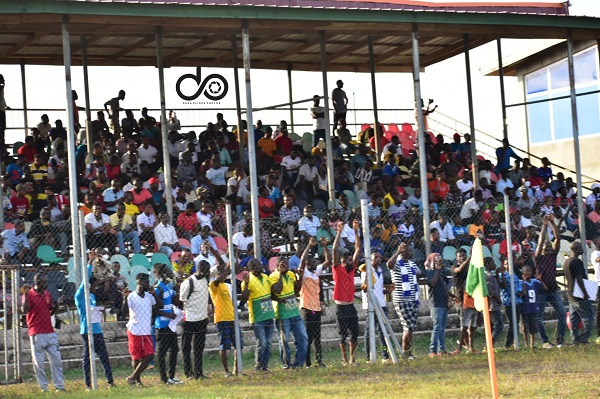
x=318 y=114
x=146 y=152
x=267 y=143
x=123 y=227
x=503 y=154
x=256 y=289
x=266 y=206
x=113 y=196
x=165 y=236
x=437 y=277
x=146 y=222
x=308 y=224
x=444 y=228
x=580 y=309
x=495 y=302
x=242 y=239
x=505 y=293
x=379 y=293
x=38 y=308
x=290 y=166
x=340 y=103
x=530 y=309
x=216 y=178
x=97 y=226
x=141 y=195
x=197 y=240
x=289 y=215
x=284 y=142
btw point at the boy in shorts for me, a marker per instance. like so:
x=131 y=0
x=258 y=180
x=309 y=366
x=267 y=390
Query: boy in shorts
x=224 y=319
x=530 y=308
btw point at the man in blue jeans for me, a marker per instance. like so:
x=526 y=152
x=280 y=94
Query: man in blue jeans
x=580 y=308
x=437 y=279
x=99 y=344
x=545 y=260
x=284 y=287
x=256 y=289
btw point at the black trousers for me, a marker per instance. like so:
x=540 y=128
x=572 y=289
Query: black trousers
x=166 y=341
x=194 y=336
x=509 y=334
x=312 y=320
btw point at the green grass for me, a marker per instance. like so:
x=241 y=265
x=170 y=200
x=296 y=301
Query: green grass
x=569 y=372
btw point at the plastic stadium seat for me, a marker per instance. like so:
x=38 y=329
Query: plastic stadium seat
x=221 y=243
x=364 y=127
x=496 y=251
x=140 y=260
x=307 y=139
x=318 y=204
x=393 y=129
x=409 y=190
x=175 y=256
x=185 y=243
x=159 y=257
x=121 y=260
x=47 y=254
x=136 y=269
x=467 y=248
x=449 y=253
x=351 y=198
x=486 y=252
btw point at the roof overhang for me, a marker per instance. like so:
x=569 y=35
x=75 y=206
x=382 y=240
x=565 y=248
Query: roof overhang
x=284 y=33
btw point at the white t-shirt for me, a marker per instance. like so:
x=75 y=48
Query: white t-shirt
x=205 y=219
x=195 y=307
x=242 y=242
x=464 y=187
x=140 y=313
x=217 y=176
x=320 y=120
x=596 y=255
x=469 y=208
x=91 y=219
x=232 y=182
x=147 y=154
x=290 y=163
x=308 y=172
x=377 y=288
x=309 y=225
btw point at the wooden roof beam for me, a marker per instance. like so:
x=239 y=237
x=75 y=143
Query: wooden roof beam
x=29 y=39
x=193 y=47
x=134 y=46
x=293 y=50
x=345 y=50
x=90 y=40
x=257 y=43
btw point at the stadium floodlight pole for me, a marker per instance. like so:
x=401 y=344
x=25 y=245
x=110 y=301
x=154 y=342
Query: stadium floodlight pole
x=511 y=269
x=471 y=113
x=580 y=203
x=86 y=92
x=369 y=272
x=251 y=142
x=376 y=126
x=421 y=139
x=502 y=95
x=75 y=222
x=163 y=124
x=24 y=90
x=88 y=306
x=238 y=106
x=330 y=171
x=232 y=263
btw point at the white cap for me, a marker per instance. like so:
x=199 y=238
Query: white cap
x=595 y=185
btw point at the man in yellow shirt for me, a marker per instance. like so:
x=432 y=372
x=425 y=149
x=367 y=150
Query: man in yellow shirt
x=123 y=227
x=267 y=143
x=224 y=319
x=256 y=289
x=284 y=287
x=130 y=208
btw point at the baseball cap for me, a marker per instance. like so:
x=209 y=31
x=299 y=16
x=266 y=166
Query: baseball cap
x=153 y=180
x=595 y=185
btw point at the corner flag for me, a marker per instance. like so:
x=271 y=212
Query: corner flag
x=476 y=286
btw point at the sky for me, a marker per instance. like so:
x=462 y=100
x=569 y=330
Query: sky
x=46 y=88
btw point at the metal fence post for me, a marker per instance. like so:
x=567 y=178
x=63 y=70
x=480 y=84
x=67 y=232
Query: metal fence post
x=232 y=262
x=513 y=299
x=371 y=310
x=86 y=293
x=16 y=325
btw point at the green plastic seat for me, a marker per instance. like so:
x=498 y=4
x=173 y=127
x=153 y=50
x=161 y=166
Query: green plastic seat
x=47 y=254
x=140 y=260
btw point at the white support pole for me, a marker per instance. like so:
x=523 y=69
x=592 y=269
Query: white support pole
x=388 y=333
x=511 y=272
x=575 y=123
x=371 y=309
x=251 y=142
x=73 y=199
x=236 y=80
x=88 y=307
x=24 y=90
x=163 y=123
x=330 y=170
x=421 y=139
x=86 y=91
x=376 y=125
x=233 y=264
x=475 y=170
x=291 y=97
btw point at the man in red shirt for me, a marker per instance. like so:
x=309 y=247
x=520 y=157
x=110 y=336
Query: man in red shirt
x=20 y=203
x=266 y=207
x=187 y=222
x=140 y=194
x=344 y=269
x=38 y=307
x=28 y=149
x=284 y=142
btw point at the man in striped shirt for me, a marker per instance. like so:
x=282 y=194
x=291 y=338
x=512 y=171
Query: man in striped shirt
x=406 y=294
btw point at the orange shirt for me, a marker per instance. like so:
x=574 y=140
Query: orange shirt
x=468 y=301
x=85 y=209
x=309 y=294
x=268 y=146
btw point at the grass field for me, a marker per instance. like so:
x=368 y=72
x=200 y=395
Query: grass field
x=569 y=372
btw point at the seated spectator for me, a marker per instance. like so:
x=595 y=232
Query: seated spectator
x=266 y=206
x=206 y=214
x=165 y=236
x=444 y=228
x=390 y=168
x=545 y=171
x=216 y=178
x=146 y=152
x=197 y=240
x=146 y=222
x=21 y=207
x=242 y=239
x=290 y=166
x=325 y=236
x=321 y=184
x=284 y=142
x=124 y=228
x=107 y=290
x=471 y=207
x=267 y=143
x=542 y=192
x=113 y=196
x=97 y=226
x=187 y=222
x=306 y=174
x=183 y=266
x=16 y=246
x=308 y=224
x=140 y=194
x=439 y=187
x=289 y=215
x=131 y=167
x=465 y=185
x=186 y=169
x=374 y=209
x=42 y=231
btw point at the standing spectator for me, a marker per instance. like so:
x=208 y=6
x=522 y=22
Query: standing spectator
x=38 y=308
x=340 y=103
x=406 y=294
x=216 y=178
x=504 y=280
x=579 y=308
x=267 y=143
x=531 y=306
x=15 y=170
x=256 y=289
x=495 y=302
x=266 y=206
x=437 y=278
x=503 y=155
x=113 y=112
x=379 y=293
x=318 y=114
x=311 y=296
x=194 y=295
x=224 y=318
x=166 y=333
x=545 y=261
x=284 y=142
x=344 y=269
x=140 y=305
x=99 y=343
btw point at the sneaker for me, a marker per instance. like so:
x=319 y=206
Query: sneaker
x=547 y=345
x=386 y=361
x=130 y=381
x=170 y=382
x=150 y=367
x=598 y=340
x=111 y=385
x=43 y=390
x=60 y=390
x=562 y=345
x=177 y=380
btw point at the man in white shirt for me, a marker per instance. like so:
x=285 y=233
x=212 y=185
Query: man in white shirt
x=308 y=224
x=318 y=114
x=465 y=186
x=166 y=236
x=591 y=199
x=306 y=174
x=443 y=227
x=216 y=177
x=471 y=207
x=140 y=305
x=97 y=226
x=289 y=168
x=503 y=182
x=379 y=292
x=146 y=152
x=210 y=255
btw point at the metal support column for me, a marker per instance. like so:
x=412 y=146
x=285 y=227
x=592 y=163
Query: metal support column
x=575 y=122
x=86 y=92
x=289 y=76
x=369 y=272
x=163 y=123
x=73 y=186
x=233 y=265
x=24 y=90
x=502 y=95
x=374 y=93
x=251 y=142
x=421 y=138
x=330 y=171
x=87 y=304
x=471 y=113
x=238 y=107
x=511 y=272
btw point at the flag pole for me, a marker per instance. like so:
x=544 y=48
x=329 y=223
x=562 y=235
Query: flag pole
x=490 y=347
